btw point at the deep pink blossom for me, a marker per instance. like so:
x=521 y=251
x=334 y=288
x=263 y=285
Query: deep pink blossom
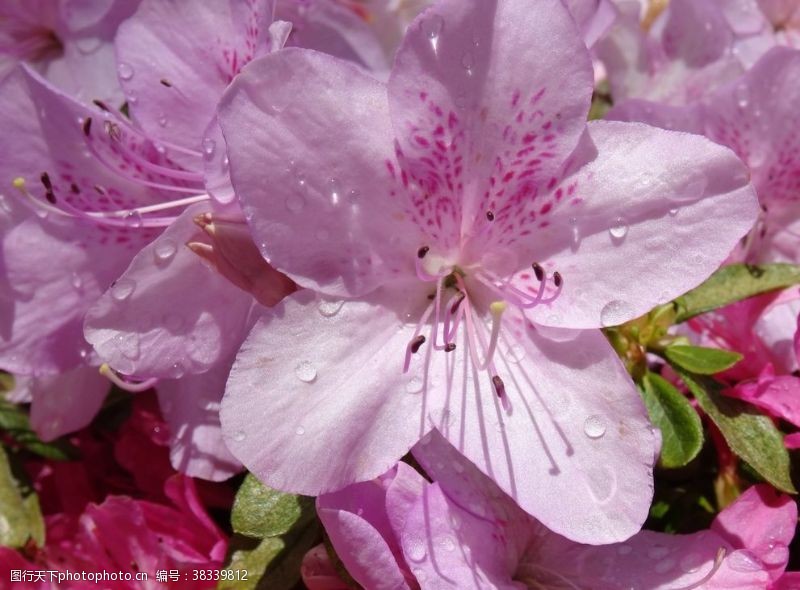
x=412 y=213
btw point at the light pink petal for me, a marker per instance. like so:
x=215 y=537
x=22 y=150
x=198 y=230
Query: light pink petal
x=792 y=441
x=197 y=48
x=594 y=17
x=655 y=561
x=333 y=28
x=449 y=547
x=357 y=523
x=317 y=399
x=651 y=216
x=755 y=117
x=482 y=123
x=402 y=492
x=169 y=313
x=190 y=406
x=310 y=158
x=580 y=463
x=696 y=33
x=762 y=522
x=65 y=403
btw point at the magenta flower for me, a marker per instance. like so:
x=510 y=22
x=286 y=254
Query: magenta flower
x=460 y=531
x=461 y=234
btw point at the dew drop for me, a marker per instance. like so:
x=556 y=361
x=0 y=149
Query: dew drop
x=209 y=147
x=354 y=194
x=777 y=554
x=619 y=230
x=447 y=543
x=415 y=549
x=162 y=119
x=125 y=71
x=77 y=281
x=87 y=45
x=657 y=552
x=594 y=426
x=295 y=203
x=432 y=27
x=692 y=562
x=177 y=371
x=624 y=549
x=122 y=289
x=300 y=431
x=467 y=61
x=239 y=436
x=329 y=309
x=664 y=565
x=614 y=313
x=306 y=372
x=414 y=385
x=742 y=96
x=673 y=212
x=743 y=561
x=165 y=250
x=335 y=190
x=134 y=218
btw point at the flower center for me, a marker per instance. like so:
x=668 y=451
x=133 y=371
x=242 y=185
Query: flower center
x=460 y=300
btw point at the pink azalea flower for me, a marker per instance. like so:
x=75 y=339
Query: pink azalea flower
x=461 y=531
x=70 y=43
x=412 y=213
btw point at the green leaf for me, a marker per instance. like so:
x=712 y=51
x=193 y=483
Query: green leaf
x=671 y=412
x=259 y=511
x=14 y=421
x=703 y=361
x=20 y=516
x=733 y=283
x=751 y=435
x=273 y=532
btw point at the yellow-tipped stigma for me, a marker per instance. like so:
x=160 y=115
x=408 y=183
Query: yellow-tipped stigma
x=497 y=307
x=18 y=183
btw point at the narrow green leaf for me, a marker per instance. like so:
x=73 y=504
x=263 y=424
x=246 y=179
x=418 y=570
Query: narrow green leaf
x=20 y=516
x=703 y=361
x=671 y=412
x=751 y=435
x=259 y=511
x=733 y=283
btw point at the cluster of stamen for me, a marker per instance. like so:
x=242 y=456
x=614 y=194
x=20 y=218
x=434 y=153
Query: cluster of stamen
x=447 y=316
x=120 y=151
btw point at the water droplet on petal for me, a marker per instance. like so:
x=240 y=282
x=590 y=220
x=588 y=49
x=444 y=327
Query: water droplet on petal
x=77 y=281
x=692 y=562
x=742 y=96
x=777 y=554
x=415 y=549
x=673 y=212
x=432 y=26
x=177 y=371
x=300 y=431
x=209 y=146
x=619 y=230
x=239 y=436
x=594 y=426
x=306 y=372
x=165 y=250
x=664 y=565
x=743 y=561
x=134 y=218
x=657 y=552
x=329 y=309
x=87 y=45
x=295 y=203
x=447 y=543
x=162 y=120
x=615 y=313
x=335 y=190
x=122 y=289
x=414 y=385
x=125 y=71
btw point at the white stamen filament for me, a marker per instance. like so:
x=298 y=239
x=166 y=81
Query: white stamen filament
x=117 y=380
